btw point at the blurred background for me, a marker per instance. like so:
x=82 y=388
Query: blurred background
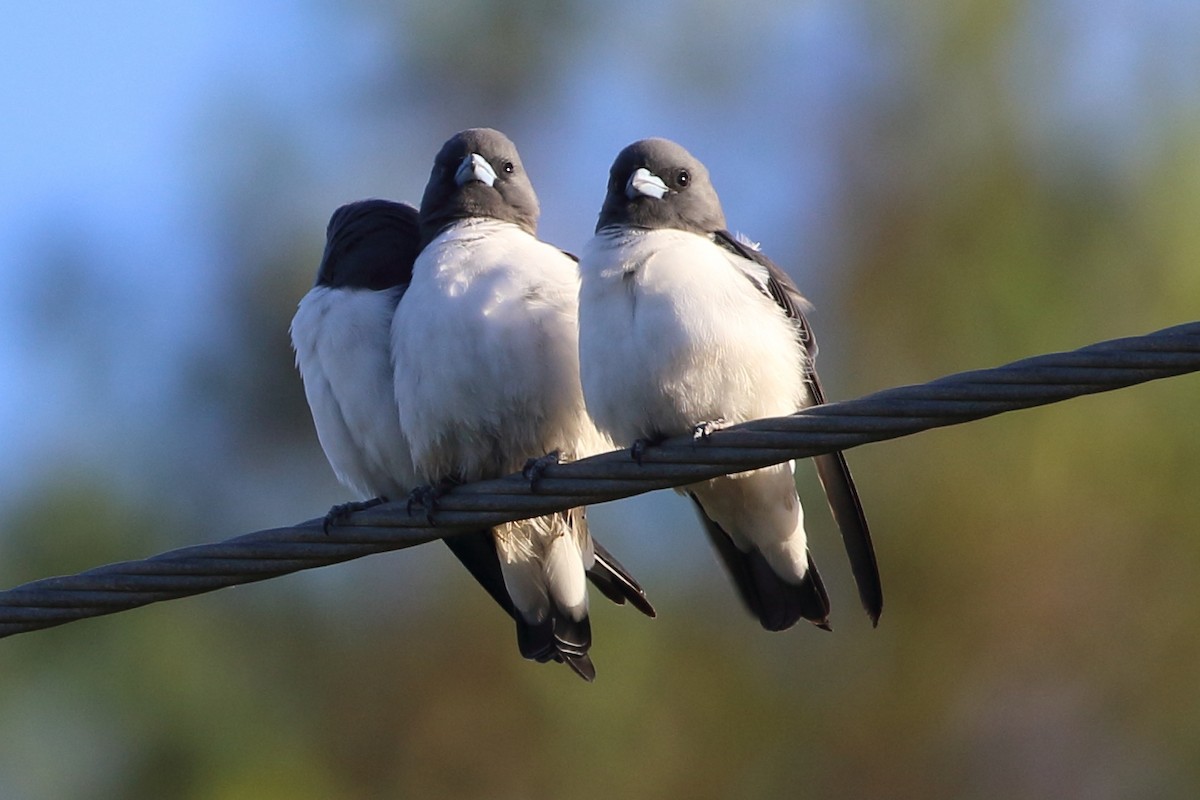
x=954 y=184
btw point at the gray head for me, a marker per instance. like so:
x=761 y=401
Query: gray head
x=371 y=244
x=655 y=183
x=477 y=174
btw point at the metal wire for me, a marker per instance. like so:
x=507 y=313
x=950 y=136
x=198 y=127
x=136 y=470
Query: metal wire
x=888 y=414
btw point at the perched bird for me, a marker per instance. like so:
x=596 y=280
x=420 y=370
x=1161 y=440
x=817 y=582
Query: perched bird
x=685 y=328
x=342 y=337
x=486 y=347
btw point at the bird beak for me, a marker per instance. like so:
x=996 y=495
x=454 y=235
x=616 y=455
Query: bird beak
x=475 y=168
x=644 y=182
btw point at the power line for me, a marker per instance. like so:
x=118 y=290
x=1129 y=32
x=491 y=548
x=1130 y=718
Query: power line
x=887 y=414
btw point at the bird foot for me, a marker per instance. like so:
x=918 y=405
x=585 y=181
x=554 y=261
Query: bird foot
x=341 y=512
x=427 y=496
x=535 y=467
x=703 y=430
x=639 y=447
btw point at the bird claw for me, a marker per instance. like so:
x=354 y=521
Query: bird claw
x=535 y=467
x=427 y=496
x=341 y=512
x=639 y=447
x=705 y=429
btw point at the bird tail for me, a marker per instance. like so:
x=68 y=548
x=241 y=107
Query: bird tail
x=777 y=603
x=558 y=638
x=544 y=568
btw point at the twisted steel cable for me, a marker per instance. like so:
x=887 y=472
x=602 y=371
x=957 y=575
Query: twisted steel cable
x=887 y=414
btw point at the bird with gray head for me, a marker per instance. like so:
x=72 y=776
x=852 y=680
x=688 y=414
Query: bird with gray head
x=487 y=376
x=342 y=337
x=687 y=328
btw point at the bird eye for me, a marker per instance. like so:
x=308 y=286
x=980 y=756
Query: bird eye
x=508 y=167
x=683 y=178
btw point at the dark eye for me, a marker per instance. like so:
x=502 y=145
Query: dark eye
x=683 y=178
x=508 y=167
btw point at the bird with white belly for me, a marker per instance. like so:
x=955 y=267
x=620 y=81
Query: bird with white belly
x=687 y=328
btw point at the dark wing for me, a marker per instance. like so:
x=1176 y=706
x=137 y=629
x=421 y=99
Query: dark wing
x=370 y=244
x=832 y=468
x=477 y=552
x=616 y=583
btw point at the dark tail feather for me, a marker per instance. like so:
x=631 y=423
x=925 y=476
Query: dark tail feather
x=852 y=522
x=582 y=665
x=615 y=582
x=558 y=638
x=573 y=638
x=777 y=603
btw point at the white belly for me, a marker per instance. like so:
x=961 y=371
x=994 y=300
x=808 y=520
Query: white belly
x=673 y=334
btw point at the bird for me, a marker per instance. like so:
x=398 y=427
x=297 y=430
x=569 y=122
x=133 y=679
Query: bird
x=487 y=377
x=341 y=334
x=687 y=328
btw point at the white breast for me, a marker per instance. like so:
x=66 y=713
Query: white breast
x=486 y=351
x=672 y=333
x=343 y=351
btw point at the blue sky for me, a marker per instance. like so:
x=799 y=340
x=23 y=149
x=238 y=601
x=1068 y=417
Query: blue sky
x=102 y=150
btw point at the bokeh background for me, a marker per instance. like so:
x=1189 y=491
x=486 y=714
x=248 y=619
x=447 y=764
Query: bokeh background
x=954 y=184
